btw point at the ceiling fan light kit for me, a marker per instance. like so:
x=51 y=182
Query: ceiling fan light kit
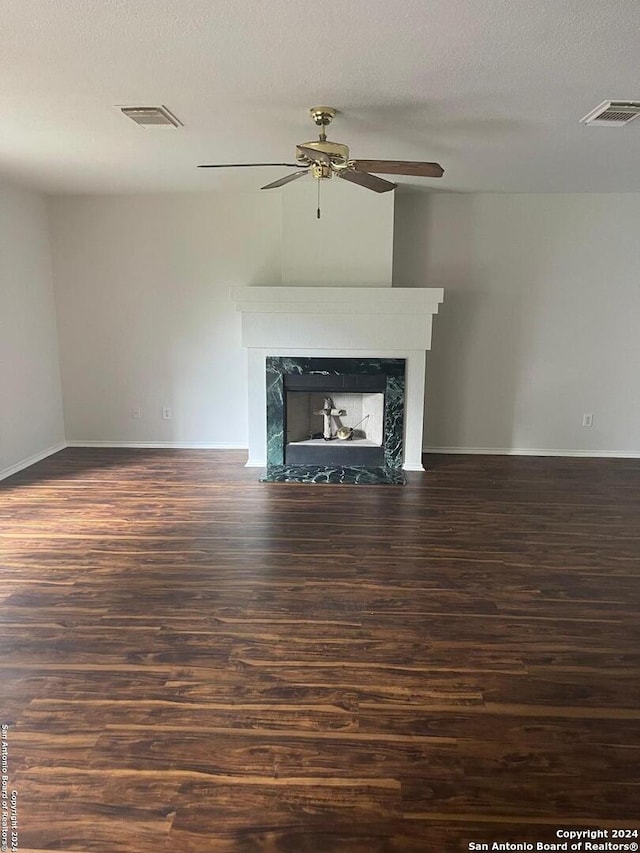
x=323 y=159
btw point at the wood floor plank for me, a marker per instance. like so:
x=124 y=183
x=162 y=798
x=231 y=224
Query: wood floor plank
x=193 y=660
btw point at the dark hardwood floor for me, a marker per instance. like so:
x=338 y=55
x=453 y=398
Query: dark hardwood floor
x=195 y=661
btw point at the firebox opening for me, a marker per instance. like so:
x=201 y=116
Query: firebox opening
x=320 y=418
x=326 y=428
x=334 y=420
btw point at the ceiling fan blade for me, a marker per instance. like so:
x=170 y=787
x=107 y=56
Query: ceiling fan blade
x=286 y=180
x=243 y=165
x=313 y=154
x=371 y=182
x=398 y=167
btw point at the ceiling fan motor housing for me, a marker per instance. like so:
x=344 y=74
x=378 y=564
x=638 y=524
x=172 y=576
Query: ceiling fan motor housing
x=339 y=153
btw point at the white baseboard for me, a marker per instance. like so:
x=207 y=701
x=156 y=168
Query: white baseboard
x=260 y=463
x=25 y=463
x=167 y=445
x=412 y=467
x=526 y=451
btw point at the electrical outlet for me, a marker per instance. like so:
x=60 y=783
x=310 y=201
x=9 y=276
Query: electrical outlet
x=166 y=413
x=136 y=412
x=587 y=420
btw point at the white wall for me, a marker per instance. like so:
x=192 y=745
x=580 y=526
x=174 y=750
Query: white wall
x=145 y=317
x=351 y=243
x=540 y=321
x=31 y=424
x=538 y=326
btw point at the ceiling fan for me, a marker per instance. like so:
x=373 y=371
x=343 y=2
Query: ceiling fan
x=324 y=158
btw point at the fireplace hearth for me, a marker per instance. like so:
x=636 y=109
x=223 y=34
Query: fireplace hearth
x=335 y=420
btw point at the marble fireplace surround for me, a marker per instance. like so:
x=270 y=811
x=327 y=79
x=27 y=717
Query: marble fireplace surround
x=337 y=322
x=384 y=469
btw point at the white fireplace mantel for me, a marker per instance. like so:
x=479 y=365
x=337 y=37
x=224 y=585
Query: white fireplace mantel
x=356 y=322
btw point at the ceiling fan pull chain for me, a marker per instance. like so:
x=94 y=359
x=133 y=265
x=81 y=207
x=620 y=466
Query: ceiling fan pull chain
x=318 y=210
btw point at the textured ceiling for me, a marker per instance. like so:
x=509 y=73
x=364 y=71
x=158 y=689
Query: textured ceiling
x=492 y=89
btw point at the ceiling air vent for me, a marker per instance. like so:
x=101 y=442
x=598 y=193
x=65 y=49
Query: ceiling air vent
x=152 y=116
x=613 y=113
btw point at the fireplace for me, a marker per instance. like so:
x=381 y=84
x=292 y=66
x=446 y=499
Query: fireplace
x=348 y=335
x=335 y=419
